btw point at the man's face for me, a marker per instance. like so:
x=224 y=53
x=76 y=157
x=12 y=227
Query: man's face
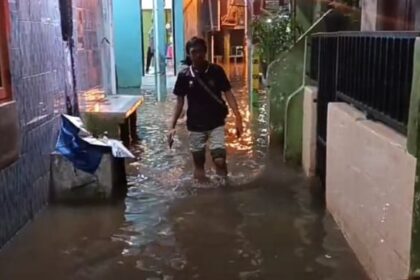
x=198 y=55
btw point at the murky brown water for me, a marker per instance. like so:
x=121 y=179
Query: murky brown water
x=267 y=226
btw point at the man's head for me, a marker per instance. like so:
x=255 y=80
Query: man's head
x=196 y=49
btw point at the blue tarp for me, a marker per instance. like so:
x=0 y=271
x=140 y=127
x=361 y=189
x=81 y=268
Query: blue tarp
x=71 y=145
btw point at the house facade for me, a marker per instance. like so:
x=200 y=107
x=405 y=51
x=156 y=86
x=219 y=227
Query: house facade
x=49 y=53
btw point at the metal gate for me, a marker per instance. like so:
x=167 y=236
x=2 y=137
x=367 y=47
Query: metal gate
x=372 y=71
x=323 y=70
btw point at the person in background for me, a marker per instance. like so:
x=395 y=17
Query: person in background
x=203 y=84
x=170 y=52
x=151 y=49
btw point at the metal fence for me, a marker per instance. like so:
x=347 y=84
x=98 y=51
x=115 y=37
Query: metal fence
x=370 y=70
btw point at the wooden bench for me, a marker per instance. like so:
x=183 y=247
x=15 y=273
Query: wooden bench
x=114 y=115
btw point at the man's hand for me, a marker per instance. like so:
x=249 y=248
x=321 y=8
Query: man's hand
x=231 y=100
x=239 y=127
x=178 y=110
x=171 y=136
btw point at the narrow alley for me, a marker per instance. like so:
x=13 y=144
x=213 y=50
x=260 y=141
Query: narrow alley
x=266 y=225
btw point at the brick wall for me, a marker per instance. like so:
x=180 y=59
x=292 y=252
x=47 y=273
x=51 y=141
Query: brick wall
x=87 y=16
x=41 y=74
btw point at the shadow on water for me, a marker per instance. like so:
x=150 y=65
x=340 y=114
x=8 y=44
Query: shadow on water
x=266 y=225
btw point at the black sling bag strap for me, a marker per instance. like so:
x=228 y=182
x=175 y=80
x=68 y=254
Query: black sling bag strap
x=207 y=89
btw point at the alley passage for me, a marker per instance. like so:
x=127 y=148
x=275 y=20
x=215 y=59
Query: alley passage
x=266 y=226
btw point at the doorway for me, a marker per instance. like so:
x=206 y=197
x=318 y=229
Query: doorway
x=226 y=31
x=148 y=35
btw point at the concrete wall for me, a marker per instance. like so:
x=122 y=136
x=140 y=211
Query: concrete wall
x=370 y=190
x=128 y=43
x=179 y=32
x=309 y=133
x=41 y=80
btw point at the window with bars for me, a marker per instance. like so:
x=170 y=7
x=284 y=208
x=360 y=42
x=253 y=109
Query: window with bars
x=5 y=90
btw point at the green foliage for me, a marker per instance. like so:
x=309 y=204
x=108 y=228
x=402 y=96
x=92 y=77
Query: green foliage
x=352 y=3
x=274 y=34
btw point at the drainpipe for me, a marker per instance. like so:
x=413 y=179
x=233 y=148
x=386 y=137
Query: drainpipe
x=66 y=16
x=76 y=111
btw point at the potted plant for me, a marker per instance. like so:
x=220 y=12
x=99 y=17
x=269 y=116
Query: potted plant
x=273 y=34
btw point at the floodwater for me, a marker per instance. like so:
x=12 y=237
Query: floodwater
x=267 y=224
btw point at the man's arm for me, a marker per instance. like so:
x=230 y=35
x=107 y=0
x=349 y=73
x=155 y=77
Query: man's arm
x=231 y=100
x=177 y=113
x=178 y=110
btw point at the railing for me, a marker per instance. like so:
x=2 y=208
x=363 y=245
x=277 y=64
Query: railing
x=286 y=79
x=373 y=71
x=370 y=70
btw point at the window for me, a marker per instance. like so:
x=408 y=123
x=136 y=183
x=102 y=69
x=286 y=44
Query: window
x=5 y=90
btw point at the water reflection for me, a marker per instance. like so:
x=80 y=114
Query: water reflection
x=267 y=225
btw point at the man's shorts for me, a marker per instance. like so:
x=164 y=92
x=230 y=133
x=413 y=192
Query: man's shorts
x=215 y=138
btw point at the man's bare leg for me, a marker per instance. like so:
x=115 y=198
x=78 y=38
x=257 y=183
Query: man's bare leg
x=199 y=159
x=221 y=171
x=221 y=166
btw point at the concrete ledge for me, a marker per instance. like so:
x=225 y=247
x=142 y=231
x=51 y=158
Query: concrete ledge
x=9 y=145
x=370 y=190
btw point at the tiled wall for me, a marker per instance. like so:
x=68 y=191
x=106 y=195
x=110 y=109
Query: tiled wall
x=40 y=74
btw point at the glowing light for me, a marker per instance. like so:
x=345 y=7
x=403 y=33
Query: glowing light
x=96 y=108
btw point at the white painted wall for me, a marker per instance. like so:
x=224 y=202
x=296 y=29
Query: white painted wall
x=369 y=15
x=417 y=23
x=370 y=190
x=148 y=4
x=309 y=131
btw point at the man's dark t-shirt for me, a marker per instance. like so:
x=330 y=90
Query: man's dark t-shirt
x=204 y=112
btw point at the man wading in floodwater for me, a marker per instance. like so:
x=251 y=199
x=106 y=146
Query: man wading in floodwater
x=203 y=83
